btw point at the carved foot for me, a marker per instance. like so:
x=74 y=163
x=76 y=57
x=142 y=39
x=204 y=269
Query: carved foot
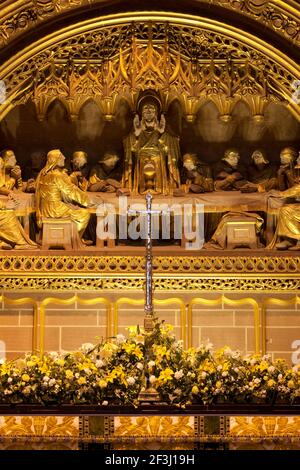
x=25 y=247
x=284 y=245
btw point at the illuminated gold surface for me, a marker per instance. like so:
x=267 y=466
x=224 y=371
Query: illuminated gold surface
x=242 y=426
x=278 y=15
x=180 y=81
x=154 y=426
x=39 y=426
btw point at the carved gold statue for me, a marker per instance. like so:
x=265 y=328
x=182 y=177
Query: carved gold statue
x=105 y=176
x=151 y=153
x=261 y=174
x=55 y=191
x=79 y=172
x=10 y=173
x=229 y=173
x=287 y=235
x=286 y=172
x=197 y=175
x=12 y=234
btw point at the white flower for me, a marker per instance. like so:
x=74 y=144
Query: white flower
x=139 y=366
x=99 y=363
x=46 y=378
x=271 y=369
x=86 y=347
x=178 y=374
x=257 y=380
x=2 y=360
x=152 y=379
x=9 y=380
x=51 y=382
x=203 y=374
x=120 y=339
x=131 y=381
x=87 y=371
x=219 y=367
x=105 y=403
x=225 y=373
x=151 y=364
x=77 y=375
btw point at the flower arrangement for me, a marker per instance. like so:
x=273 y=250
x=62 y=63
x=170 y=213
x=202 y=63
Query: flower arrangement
x=114 y=371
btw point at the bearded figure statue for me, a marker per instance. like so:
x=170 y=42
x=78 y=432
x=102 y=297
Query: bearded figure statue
x=151 y=153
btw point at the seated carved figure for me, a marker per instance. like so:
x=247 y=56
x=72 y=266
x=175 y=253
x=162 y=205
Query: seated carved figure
x=32 y=169
x=79 y=172
x=196 y=175
x=229 y=173
x=261 y=174
x=12 y=234
x=287 y=235
x=286 y=173
x=10 y=174
x=105 y=176
x=55 y=191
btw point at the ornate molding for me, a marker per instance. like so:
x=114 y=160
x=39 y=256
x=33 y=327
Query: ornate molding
x=186 y=274
x=19 y=17
x=128 y=266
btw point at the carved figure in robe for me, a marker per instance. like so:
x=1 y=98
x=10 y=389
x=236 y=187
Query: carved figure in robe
x=12 y=234
x=286 y=173
x=105 y=176
x=261 y=174
x=287 y=234
x=197 y=175
x=151 y=153
x=230 y=175
x=31 y=171
x=79 y=172
x=10 y=173
x=55 y=193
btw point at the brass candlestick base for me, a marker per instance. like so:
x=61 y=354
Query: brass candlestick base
x=149 y=395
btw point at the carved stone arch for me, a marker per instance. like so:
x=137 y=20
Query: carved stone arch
x=180 y=63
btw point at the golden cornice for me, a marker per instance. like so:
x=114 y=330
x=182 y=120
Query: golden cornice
x=20 y=16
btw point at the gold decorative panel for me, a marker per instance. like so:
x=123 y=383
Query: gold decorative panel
x=35 y=426
x=243 y=426
x=154 y=426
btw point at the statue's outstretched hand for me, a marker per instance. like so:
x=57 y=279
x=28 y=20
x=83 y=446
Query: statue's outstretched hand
x=162 y=124
x=137 y=125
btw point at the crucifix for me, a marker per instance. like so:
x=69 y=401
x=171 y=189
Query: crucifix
x=148 y=306
x=148 y=394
